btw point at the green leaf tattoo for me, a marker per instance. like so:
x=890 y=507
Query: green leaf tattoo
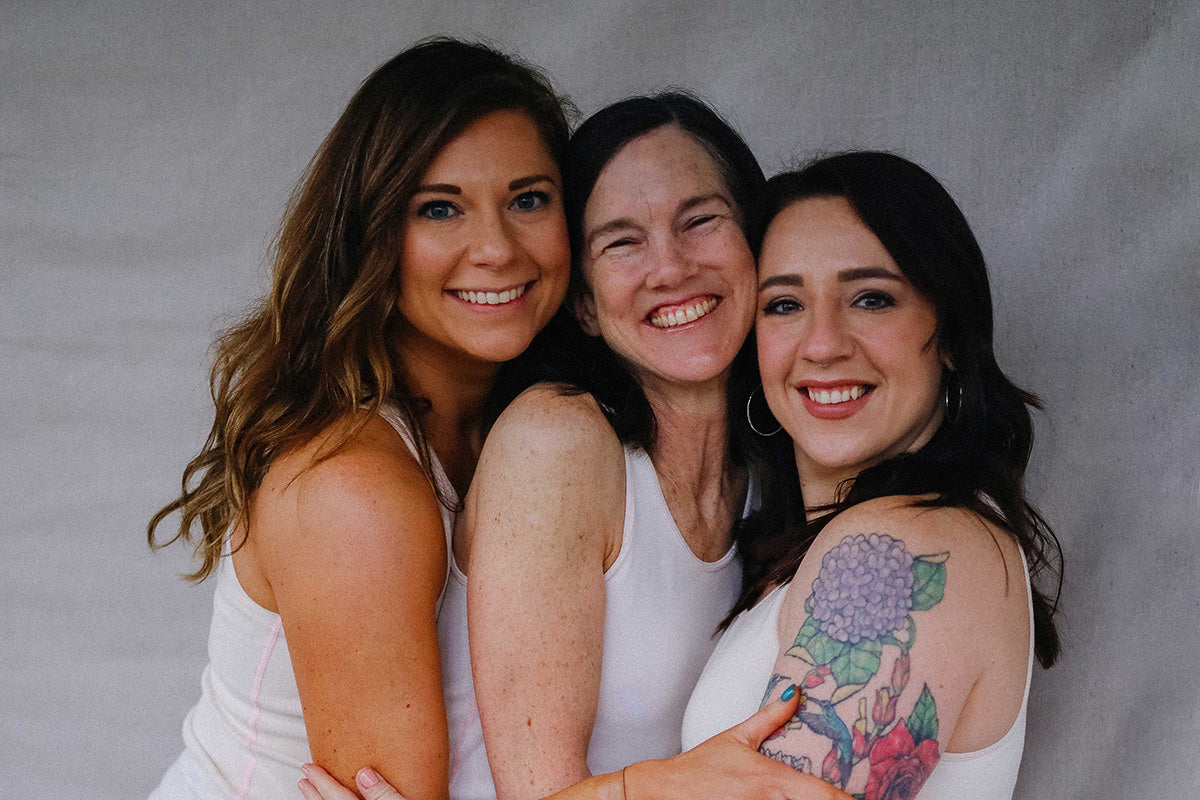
x=929 y=581
x=856 y=664
x=923 y=721
x=863 y=601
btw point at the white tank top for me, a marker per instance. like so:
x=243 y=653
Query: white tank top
x=662 y=607
x=245 y=739
x=731 y=687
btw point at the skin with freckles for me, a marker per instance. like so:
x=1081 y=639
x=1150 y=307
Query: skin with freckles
x=662 y=240
x=486 y=218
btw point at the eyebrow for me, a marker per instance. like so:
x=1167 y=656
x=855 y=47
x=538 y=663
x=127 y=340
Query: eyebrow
x=692 y=202
x=843 y=276
x=529 y=180
x=624 y=223
x=519 y=183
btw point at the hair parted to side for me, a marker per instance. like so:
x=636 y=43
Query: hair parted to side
x=319 y=348
x=978 y=458
x=562 y=353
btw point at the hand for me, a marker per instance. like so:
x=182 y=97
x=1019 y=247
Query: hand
x=729 y=767
x=318 y=784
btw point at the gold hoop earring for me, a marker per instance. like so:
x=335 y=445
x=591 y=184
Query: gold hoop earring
x=750 y=417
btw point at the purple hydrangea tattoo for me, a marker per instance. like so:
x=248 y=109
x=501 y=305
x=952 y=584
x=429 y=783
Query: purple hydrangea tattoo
x=864 y=589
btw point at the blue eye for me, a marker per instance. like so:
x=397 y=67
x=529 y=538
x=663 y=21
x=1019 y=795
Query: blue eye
x=781 y=306
x=437 y=210
x=530 y=201
x=874 y=301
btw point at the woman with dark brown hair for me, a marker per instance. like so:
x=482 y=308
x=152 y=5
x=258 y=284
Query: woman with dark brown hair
x=425 y=246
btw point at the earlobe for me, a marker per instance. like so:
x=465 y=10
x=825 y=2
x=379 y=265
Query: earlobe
x=944 y=357
x=584 y=308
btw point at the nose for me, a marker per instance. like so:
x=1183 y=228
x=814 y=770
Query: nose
x=826 y=337
x=491 y=243
x=670 y=265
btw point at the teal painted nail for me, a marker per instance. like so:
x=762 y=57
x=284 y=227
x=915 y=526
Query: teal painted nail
x=788 y=693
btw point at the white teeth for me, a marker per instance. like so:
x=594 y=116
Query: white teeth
x=680 y=316
x=490 y=298
x=826 y=397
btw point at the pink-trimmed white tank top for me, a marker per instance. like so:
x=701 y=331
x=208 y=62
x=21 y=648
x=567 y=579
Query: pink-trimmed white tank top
x=731 y=688
x=245 y=738
x=662 y=607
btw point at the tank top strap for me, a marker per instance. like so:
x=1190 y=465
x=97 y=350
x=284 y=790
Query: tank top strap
x=441 y=482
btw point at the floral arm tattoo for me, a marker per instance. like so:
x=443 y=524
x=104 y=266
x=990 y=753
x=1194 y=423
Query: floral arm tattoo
x=859 y=617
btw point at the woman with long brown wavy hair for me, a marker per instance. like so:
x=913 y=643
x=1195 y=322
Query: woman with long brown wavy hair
x=425 y=246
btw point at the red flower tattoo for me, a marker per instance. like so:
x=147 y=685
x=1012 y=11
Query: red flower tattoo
x=899 y=766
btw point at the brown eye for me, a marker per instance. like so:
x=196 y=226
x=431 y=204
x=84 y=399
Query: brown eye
x=530 y=201
x=874 y=301
x=781 y=306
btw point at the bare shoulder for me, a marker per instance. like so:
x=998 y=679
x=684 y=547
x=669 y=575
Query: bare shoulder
x=986 y=557
x=907 y=627
x=369 y=498
x=550 y=464
x=552 y=421
x=551 y=438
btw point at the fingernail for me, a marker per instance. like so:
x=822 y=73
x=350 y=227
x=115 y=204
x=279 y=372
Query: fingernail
x=367 y=777
x=305 y=769
x=788 y=693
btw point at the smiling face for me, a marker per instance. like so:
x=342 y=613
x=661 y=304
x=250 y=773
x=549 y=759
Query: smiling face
x=671 y=278
x=485 y=260
x=847 y=347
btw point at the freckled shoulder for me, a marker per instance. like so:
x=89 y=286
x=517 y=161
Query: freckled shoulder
x=550 y=455
x=556 y=427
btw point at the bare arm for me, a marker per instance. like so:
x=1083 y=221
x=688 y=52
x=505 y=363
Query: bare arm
x=354 y=551
x=725 y=766
x=894 y=619
x=546 y=502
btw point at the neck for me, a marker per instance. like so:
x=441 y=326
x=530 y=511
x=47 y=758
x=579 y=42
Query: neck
x=691 y=447
x=819 y=486
x=456 y=389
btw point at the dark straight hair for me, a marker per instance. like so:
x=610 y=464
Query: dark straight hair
x=978 y=456
x=562 y=353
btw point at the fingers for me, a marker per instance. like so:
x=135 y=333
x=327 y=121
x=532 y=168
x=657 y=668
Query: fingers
x=322 y=786
x=374 y=787
x=769 y=718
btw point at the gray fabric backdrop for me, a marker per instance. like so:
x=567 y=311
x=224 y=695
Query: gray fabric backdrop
x=146 y=150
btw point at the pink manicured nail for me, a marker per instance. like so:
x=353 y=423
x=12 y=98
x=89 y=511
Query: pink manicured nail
x=367 y=777
x=304 y=769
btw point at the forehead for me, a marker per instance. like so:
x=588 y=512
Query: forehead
x=820 y=234
x=506 y=140
x=653 y=174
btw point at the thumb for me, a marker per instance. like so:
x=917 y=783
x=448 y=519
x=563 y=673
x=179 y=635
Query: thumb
x=769 y=718
x=374 y=787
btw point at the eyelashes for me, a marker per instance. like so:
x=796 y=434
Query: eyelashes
x=873 y=300
x=442 y=210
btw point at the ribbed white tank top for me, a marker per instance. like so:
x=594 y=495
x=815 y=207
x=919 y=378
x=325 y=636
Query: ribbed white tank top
x=731 y=687
x=662 y=607
x=245 y=739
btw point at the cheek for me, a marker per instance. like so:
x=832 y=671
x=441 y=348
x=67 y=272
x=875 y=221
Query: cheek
x=774 y=358
x=422 y=261
x=547 y=244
